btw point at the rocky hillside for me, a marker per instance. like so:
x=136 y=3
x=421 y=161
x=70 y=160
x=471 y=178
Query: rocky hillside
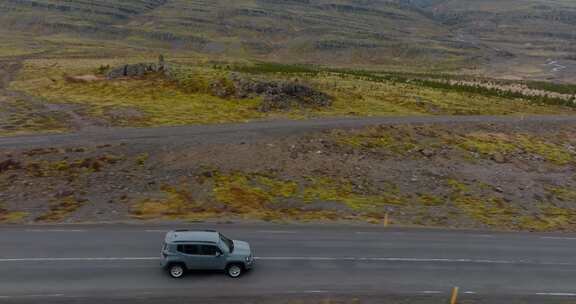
x=387 y=32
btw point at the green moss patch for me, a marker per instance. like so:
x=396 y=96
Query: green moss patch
x=264 y=197
x=177 y=204
x=501 y=145
x=431 y=140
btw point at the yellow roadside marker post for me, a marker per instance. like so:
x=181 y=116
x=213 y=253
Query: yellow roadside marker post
x=454 y=298
x=386 y=220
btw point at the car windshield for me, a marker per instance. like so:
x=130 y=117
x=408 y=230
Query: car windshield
x=228 y=242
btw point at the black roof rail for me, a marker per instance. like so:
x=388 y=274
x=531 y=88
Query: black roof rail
x=193 y=241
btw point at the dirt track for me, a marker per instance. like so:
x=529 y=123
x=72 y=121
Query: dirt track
x=7 y=71
x=252 y=132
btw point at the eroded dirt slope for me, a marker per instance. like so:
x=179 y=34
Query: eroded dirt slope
x=516 y=176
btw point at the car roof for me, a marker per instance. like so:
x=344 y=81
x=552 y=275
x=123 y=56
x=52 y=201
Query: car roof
x=199 y=236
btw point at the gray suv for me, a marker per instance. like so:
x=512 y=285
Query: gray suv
x=185 y=250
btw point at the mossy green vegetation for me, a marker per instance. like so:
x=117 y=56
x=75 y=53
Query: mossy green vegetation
x=488 y=143
x=22 y=117
x=404 y=140
x=277 y=68
x=481 y=203
x=554 y=152
x=563 y=194
x=270 y=198
x=142 y=159
x=492 y=144
x=376 y=138
x=159 y=102
x=251 y=196
x=492 y=212
x=495 y=211
x=440 y=82
x=69 y=168
x=188 y=97
x=247 y=193
x=430 y=200
x=19 y=44
x=323 y=189
x=177 y=204
x=11 y=217
x=549 y=218
x=243 y=196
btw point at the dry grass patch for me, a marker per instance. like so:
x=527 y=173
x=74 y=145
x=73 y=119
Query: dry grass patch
x=177 y=204
x=61 y=210
x=11 y=217
x=19 y=117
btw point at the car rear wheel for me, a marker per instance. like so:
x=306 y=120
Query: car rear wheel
x=234 y=270
x=176 y=271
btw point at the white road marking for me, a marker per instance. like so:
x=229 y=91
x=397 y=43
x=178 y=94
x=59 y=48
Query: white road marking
x=431 y=292
x=482 y=235
x=55 y=230
x=156 y=231
x=315 y=291
x=33 y=296
x=398 y=259
x=301 y=258
x=469 y=292
x=382 y=233
x=558 y=238
x=80 y=259
x=278 y=231
x=557 y=294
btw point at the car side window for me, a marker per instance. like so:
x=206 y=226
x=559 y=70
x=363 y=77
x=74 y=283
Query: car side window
x=208 y=250
x=189 y=249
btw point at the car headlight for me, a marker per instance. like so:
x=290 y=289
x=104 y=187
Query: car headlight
x=249 y=259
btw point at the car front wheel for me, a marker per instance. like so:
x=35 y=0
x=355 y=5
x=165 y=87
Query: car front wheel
x=176 y=271
x=234 y=270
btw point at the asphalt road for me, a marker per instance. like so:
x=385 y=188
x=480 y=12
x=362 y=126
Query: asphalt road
x=95 y=262
x=248 y=132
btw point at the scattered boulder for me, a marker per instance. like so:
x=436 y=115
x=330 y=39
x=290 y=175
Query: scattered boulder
x=134 y=70
x=499 y=158
x=284 y=96
x=280 y=95
x=427 y=152
x=277 y=95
